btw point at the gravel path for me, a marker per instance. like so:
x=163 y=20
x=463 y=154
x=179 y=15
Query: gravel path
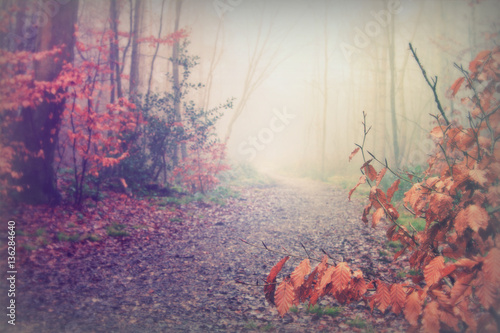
x=186 y=279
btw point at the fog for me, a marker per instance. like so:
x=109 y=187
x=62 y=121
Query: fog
x=302 y=73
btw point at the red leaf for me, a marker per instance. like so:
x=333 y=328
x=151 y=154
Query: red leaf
x=271 y=280
x=456 y=86
x=354 y=152
x=362 y=180
x=412 y=308
x=430 y=321
x=341 y=277
x=382 y=297
x=492 y=266
x=381 y=175
x=284 y=297
x=300 y=272
x=474 y=217
x=379 y=213
x=433 y=271
x=325 y=280
x=370 y=172
x=398 y=298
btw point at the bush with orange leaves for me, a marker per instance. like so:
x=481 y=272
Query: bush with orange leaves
x=458 y=254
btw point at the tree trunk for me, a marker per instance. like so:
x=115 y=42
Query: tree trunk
x=176 y=83
x=392 y=66
x=39 y=128
x=151 y=71
x=134 y=57
x=116 y=81
x=325 y=99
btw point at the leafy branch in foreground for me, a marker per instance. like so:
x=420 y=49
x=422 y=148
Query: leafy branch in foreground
x=457 y=255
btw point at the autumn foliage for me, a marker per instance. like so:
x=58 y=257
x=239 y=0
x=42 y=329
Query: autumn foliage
x=101 y=132
x=457 y=256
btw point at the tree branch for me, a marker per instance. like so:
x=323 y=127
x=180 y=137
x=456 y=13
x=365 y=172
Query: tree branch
x=432 y=85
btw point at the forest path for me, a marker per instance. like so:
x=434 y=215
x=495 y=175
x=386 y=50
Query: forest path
x=187 y=281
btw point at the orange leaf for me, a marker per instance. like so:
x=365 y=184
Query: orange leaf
x=382 y=296
x=412 y=308
x=354 y=152
x=491 y=266
x=381 y=175
x=440 y=206
x=398 y=298
x=437 y=132
x=377 y=216
x=485 y=290
x=474 y=217
x=325 y=279
x=448 y=269
x=430 y=320
x=449 y=319
x=341 y=277
x=358 y=285
x=362 y=180
x=370 y=172
x=300 y=272
x=284 y=297
x=394 y=187
x=271 y=280
x=432 y=272
x=461 y=289
x=478 y=60
x=456 y=86
x=465 y=262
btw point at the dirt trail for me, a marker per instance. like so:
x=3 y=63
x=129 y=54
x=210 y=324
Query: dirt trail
x=187 y=281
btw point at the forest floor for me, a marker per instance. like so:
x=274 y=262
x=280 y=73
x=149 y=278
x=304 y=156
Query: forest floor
x=164 y=266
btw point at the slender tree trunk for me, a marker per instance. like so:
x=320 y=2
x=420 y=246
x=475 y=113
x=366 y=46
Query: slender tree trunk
x=213 y=64
x=135 y=57
x=325 y=98
x=114 y=56
x=156 y=49
x=392 y=66
x=40 y=127
x=176 y=82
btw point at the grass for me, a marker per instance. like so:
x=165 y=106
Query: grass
x=64 y=237
x=357 y=322
x=324 y=311
x=406 y=218
x=320 y=311
x=383 y=253
x=117 y=230
x=29 y=247
x=176 y=220
x=395 y=245
x=92 y=238
x=267 y=328
x=362 y=324
x=40 y=232
x=252 y=325
x=401 y=274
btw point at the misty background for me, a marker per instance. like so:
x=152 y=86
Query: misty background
x=301 y=73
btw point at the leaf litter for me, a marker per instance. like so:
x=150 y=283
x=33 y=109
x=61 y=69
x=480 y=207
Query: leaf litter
x=184 y=268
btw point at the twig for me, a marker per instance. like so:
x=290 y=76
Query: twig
x=432 y=85
x=386 y=165
x=305 y=249
x=328 y=254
